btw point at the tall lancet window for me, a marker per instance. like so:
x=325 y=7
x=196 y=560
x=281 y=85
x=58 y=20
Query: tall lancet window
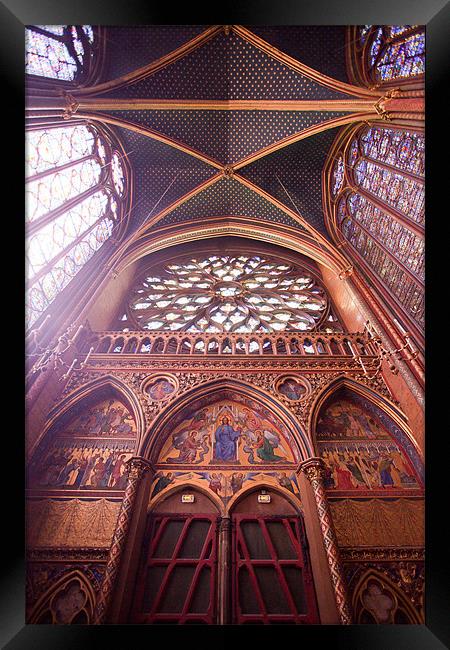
x=75 y=193
x=387 y=54
x=376 y=182
x=61 y=52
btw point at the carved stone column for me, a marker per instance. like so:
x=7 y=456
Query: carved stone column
x=313 y=468
x=223 y=564
x=136 y=468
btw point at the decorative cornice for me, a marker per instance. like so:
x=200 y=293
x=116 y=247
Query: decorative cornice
x=62 y=554
x=382 y=554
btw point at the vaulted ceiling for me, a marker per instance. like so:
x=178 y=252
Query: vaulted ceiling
x=226 y=121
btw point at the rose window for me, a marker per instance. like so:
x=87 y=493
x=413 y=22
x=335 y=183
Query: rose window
x=228 y=294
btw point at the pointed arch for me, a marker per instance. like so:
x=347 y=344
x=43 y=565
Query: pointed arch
x=184 y=486
x=398 y=427
x=97 y=386
x=398 y=596
x=281 y=491
x=46 y=601
x=151 y=444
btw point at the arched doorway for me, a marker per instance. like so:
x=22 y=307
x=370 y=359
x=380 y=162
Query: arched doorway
x=177 y=581
x=185 y=566
x=271 y=573
x=224 y=457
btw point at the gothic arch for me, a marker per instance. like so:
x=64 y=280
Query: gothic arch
x=398 y=597
x=150 y=445
x=261 y=485
x=162 y=496
x=47 y=600
x=288 y=238
x=89 y=390
x=388 y=408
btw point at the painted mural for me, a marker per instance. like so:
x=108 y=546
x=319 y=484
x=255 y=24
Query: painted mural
x=109 y=418
x=160 y=389
x=360 y=453
x=292 y=389
x=345 y=419
x=226 y=447
x=227 y=433
x=225 y=483
x=88 y=453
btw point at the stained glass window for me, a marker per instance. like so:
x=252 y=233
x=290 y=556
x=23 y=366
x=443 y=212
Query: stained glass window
x=59 y=52
x=242 y=293
x=380 y=209
x=390 y=52
x=72 y=205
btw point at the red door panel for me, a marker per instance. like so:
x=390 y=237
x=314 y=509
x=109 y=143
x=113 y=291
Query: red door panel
x=272 y=580
x=177 y=581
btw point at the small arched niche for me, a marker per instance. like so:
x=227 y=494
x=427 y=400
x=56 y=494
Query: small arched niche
x=377 y=600
x=87 y=445
x=69 y=601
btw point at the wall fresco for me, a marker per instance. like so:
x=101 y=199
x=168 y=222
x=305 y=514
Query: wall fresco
x=360 y=453
x=227 y=433
x=224 y=483
x=88 y=453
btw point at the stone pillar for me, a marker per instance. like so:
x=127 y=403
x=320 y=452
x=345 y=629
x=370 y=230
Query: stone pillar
x=313 y=468
x=136 y=468
x=223 y=567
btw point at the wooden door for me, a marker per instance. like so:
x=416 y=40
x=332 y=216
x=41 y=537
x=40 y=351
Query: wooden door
x=272 y=581
x=177 y=577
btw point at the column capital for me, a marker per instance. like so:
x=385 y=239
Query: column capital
x=225 y=522
x=314 y=468
x=137 y=467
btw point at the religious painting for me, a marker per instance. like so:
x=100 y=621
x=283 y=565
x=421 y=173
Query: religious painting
x=367 y=466
x=227 y=433
x=108 y=418
x=225 y=483
x=346 y=419
x=84 y=465
x=292 y=388
x=160 y=388
x=364 y=451
x=88 y=453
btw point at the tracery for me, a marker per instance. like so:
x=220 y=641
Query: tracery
x=228 y=293
x=388 y=53
x=379 y=208
x=60 y=52
x=75 y=183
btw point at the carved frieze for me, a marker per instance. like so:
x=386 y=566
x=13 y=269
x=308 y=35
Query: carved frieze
x=191 y=374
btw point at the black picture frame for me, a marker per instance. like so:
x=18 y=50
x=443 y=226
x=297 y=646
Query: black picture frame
x=435 y=14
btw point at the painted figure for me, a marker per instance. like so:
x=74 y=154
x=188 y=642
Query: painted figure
x=285 y=481
x=264 y=444
x=188 y=447
x=292 y=389
x=225 y=447
x=216 y=481
x=118 y=478
x=384 y=467
x=163 y=482
x=161 y=389
x=236 y=481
